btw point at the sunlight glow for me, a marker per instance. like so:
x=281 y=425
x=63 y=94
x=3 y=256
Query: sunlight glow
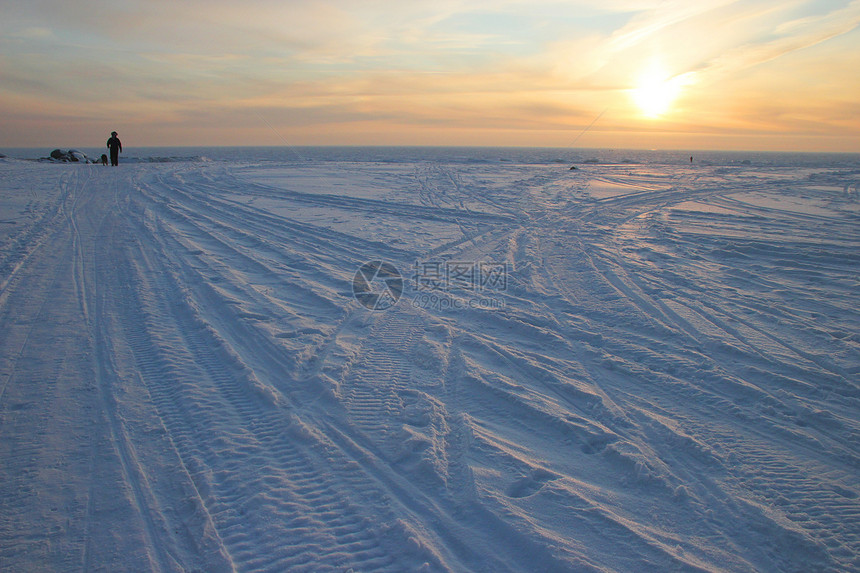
x=761 y=74
x=656 y=91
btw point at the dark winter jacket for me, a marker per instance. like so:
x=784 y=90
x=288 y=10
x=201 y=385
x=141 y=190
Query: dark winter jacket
x=114 y=144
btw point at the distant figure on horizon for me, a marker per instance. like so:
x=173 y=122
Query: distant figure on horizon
x=691 y=159
x=115 y=148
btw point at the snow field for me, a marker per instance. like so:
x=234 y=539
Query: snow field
x=668 y=380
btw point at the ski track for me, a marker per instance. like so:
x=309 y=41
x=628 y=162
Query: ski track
x=187 y=384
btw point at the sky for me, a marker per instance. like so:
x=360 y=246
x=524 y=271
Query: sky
x=708 y=74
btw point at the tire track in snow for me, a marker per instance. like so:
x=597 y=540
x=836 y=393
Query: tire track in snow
x=163 y=519
x=766 y=472
x=594 y=422
x=395 y=443
x=373 y=388
x=599 y=248
x=259 y=227
x=23 y=250
x=715 y=320
x=276 y=301
x=33 y=234
x=263 y=462
x=315 y=520
x=428 y=212
x=74 y=384
x=810 y=503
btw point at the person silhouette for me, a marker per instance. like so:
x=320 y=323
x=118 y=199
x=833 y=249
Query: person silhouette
x=115 y=148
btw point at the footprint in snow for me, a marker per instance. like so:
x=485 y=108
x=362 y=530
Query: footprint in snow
x=531 y=484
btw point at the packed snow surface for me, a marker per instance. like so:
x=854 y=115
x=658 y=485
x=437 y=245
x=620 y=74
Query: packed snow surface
x=637 y=365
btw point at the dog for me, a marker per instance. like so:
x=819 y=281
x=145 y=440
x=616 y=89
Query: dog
x=104 y=159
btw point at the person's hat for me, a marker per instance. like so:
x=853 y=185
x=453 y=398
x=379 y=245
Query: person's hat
x=113 y=133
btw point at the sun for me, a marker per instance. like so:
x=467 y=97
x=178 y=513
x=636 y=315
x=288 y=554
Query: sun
x=654 y=97
x=655 y=91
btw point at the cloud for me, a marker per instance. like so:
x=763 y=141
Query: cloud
x=33 y=33
x=536 y=65
x=787 y=37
